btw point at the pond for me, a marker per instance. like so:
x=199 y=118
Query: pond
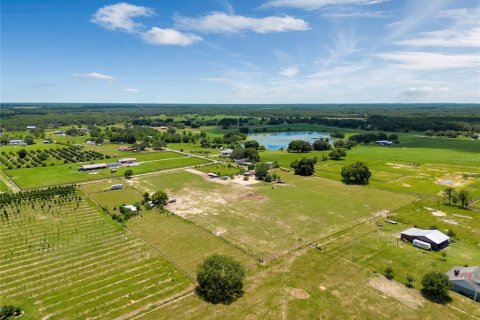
x=278 y=140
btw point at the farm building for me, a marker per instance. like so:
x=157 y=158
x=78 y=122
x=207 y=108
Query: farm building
x=127 y=161
x=31 y=127
x=130 y=207
x=243 y=162
x=226 y=152
x=384 y=142
x=18 y=142
x=90 y=167
x=116 y=186
x=59 y=132
x=435 y=238
x=47 y=141
x=212 y=175
x=466 y=281
x=90 y=142
x=114 y=165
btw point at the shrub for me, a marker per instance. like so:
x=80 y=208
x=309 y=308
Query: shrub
x=435 y=286
x=389 y=273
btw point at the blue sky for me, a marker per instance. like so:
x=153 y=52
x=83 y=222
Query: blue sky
x=219 y=51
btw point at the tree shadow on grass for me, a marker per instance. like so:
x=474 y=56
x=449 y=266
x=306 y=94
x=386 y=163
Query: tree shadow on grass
x=224 y=297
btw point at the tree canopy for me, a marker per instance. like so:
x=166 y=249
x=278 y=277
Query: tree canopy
x=159 y=199
x=356 y=173
x=321 y=144
x=304 y=167
x=252 y=144
x=299 y=146
x=220 y=279
x=435 y=286
x=337 y=154
x=128 y=173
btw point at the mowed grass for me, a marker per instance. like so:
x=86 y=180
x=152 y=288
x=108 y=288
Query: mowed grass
x=183 y=242
x=68 y=173
x=324 y=287
x=268 y=219
x=69 y=261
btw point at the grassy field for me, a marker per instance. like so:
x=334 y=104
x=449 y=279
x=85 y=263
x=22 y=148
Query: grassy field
x=266 y=219
x=69 y=261
x=68 y=173
x=315 y=285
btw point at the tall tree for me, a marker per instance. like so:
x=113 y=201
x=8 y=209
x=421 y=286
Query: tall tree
x=449 y=193
x=465 y=198
x=220 y=279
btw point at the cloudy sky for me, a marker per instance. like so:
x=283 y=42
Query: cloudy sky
x=244 y=51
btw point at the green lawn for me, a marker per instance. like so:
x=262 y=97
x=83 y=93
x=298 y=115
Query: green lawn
x=267 y=219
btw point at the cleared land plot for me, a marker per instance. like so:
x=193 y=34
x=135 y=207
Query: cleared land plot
x=269 y=219
x=63 y=174
x=69 y=261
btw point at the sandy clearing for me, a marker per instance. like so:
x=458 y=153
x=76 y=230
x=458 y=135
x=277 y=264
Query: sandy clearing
x=462 y=216
x=298 y=293
x=450 y=221
x=238 y=179
x=435 y=212
x=408 y=297
x=381 y=213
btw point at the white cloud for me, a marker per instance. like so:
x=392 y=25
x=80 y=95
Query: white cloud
x=131 y=90
x=159 y=36
x=445 y=38
x=317 y=4
x=353 y=12
x=219 y=22
x=119 y=16
x=289 y=71
x=431 y=60
x=95 y=75
x=424 y=92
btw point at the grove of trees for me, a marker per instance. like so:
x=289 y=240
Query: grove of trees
x=299 y=146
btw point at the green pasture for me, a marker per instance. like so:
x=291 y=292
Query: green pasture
x=265 y=219
x=180 y=240
x=312 y=284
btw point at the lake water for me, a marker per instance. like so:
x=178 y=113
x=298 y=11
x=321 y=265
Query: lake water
x=278 y=140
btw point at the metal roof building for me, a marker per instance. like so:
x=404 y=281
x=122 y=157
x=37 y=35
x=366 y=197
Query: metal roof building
x=437 y=239
x=466 y=281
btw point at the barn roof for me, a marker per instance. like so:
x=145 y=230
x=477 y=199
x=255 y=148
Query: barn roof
x=433 y=235
x=471 y=273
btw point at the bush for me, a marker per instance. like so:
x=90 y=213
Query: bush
x=389 y=273
x=220 y=279
x=435 y=286
x=337 y=154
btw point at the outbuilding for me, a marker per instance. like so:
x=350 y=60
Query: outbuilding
x=91 y=167
x=466 y=281
x=435 y=238
x=384 y=142
x=127 y=161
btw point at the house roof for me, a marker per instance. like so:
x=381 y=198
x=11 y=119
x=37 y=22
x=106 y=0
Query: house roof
x=433 y=235
x=127 y=159
x=465 y=273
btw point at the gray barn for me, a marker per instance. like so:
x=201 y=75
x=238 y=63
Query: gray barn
x=466 y=281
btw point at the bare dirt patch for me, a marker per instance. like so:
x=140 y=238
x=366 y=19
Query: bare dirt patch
x=393 y=289
x=462 y=216
x=450 y=221
x=435 y=212
x=381 y=213
x=238 y=179
x=298 y=293
x=454 y=180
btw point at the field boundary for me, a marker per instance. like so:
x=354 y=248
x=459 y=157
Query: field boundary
x=9 y=182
